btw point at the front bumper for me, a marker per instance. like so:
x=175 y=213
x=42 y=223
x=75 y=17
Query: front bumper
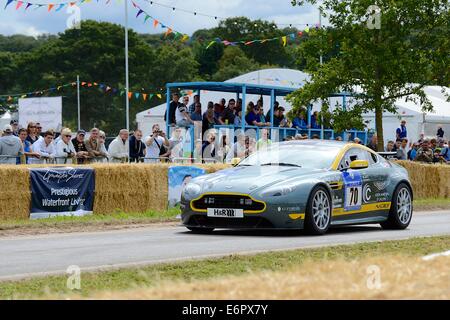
x=274 y=216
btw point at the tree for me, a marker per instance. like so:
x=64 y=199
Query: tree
x=244 y=29
x=378 y=65
x=96 y=53
x=233 y=63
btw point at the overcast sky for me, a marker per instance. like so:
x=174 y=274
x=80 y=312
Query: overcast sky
x=34 y=22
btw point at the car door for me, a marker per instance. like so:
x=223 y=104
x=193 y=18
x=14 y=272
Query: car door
x=378 y=180
x=354 y=181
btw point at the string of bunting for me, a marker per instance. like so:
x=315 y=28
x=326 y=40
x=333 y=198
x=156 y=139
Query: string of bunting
x=215 y=17
x=13 y=98
x=185 y=37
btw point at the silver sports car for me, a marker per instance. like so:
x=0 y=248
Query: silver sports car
x=309 y=184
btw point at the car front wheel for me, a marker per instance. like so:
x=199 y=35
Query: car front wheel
x=401 y=209
x=318 y=212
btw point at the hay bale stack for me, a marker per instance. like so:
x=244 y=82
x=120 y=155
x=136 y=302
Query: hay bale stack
x=15 y=192
x=130 y=187
x=428 y=180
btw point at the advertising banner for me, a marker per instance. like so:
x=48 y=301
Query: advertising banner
x=61 y=192
x=178 y=178
x=46 y=111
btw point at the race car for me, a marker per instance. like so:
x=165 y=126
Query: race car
x=306 y=184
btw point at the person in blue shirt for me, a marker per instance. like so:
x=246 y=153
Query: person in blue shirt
x=445 y=150
x=299 y=122
x=197 y=114
x=401 y=132
x=315 y=120
x=256 y=118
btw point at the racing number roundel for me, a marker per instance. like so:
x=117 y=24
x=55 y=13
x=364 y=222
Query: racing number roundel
x=353 y=190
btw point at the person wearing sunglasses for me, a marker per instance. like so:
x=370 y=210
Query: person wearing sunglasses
x=256 y=117
x=65 y=150
x=32 y=132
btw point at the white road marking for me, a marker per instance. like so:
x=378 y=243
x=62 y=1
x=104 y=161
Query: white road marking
x=435 y=255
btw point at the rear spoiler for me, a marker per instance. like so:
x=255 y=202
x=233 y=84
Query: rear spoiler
x=388 y=155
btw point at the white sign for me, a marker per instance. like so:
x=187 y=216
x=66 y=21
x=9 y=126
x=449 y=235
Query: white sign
x=46 y=111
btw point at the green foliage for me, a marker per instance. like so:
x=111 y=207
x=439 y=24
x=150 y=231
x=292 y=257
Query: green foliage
x=378 y=66
x=233 y=63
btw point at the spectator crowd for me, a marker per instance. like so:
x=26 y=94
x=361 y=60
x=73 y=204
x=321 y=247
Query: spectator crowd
x=33 y=146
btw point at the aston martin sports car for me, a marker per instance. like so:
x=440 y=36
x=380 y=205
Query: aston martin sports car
x=308 y=184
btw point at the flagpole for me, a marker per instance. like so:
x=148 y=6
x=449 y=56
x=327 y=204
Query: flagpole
x=127 y=81
x=78 y=102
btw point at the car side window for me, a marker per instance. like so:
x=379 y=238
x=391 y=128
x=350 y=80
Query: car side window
x=373 y=158
x=352 y=155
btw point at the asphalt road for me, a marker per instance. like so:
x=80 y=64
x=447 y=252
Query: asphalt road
x=27 y=256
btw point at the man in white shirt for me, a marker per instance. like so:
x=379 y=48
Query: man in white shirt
x=65 y=151
x=182 y=117
x=119 y=149
x=154 y=144
x=44 y=147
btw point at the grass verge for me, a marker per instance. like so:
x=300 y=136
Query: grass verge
x=189 y=273
x=432 y=204
x=87 y=223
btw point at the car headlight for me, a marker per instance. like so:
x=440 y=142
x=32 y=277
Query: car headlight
x=278 y=191
x=191 y=190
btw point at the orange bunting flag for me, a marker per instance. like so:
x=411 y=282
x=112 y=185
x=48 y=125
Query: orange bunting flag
x=145 y=96
x=130 y=94
x=83 y=83
x=284 y=41
x=155 y=23
x=169 y=31
x=19 y=4
x=50 y=7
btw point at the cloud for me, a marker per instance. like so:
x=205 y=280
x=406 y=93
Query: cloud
x=34 y=22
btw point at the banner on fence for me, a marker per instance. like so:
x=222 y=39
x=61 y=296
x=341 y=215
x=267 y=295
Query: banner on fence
x=178 y=178
x=61 y=192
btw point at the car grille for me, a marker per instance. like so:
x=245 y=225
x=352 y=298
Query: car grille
x=249 y=222
x=229 y=201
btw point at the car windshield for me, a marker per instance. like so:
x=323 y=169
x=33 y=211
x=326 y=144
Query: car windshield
x=305 y=156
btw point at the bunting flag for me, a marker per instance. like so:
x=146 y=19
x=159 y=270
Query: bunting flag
x=13 y=98
x=185 y=37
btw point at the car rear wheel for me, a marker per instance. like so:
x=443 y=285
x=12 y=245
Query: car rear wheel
x=318 y=211
x=200 y=230
x=401 y=210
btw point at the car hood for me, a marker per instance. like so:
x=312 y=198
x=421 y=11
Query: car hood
x=253 y=178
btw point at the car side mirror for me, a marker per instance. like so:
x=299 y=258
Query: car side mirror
x=359 y=164
x=235 y=161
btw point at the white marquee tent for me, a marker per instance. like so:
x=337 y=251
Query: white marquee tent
x=417 y=121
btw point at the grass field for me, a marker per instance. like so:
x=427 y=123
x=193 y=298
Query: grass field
x=129 y=220
x=330 y=272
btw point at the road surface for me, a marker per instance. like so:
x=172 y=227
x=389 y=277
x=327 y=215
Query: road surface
x=27 y=256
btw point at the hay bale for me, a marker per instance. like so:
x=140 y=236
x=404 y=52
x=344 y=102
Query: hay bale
x=15 y=192
x=428 y=180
